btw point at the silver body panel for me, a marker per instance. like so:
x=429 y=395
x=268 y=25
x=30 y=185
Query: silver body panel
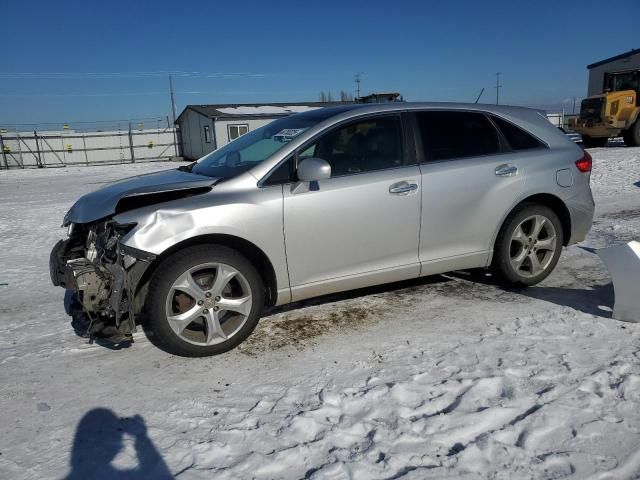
x=350 y=227
x=352 y=231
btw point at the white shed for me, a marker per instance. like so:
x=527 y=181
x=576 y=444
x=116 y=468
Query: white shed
x=205 y=128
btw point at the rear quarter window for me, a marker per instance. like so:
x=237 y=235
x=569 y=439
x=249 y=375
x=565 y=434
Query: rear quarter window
x=516 y=137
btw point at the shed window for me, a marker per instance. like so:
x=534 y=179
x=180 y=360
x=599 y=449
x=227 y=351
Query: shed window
x=236 y=131
x=207 y=134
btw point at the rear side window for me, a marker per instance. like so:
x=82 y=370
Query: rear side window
x=516 y=137
x=452 y=134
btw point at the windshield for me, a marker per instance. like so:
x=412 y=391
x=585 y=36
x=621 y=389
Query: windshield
x=624 y=81
x=254 y=147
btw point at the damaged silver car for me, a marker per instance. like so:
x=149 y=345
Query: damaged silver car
x=319 y=202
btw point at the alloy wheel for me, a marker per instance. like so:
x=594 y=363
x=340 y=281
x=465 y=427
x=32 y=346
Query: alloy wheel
x=532 y=246
x=208 y=304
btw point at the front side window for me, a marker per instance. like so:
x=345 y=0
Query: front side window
x=362 y=146
x=236 y=131
x=456 y=134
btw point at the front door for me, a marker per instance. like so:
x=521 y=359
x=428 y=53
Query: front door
x=361 y=226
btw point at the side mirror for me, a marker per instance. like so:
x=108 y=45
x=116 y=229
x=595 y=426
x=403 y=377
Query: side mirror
x=313 y=169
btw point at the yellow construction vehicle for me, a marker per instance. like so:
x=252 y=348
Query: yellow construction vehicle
x=614 y=113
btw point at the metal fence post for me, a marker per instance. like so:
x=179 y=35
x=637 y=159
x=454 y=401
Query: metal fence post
x=84 y=145
x=4 y=154
x=175 y=135
x=19 y=148
x=38 y=158
x=133 y=157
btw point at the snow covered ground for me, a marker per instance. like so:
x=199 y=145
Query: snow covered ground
x=444 y=377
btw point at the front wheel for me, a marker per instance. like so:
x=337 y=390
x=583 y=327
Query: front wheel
x=203 y=300
x=528 y=246
x=631 y=136
x=594 y=142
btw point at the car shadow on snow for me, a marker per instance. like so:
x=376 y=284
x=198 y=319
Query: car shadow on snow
x=597 y=300
x=297 y=326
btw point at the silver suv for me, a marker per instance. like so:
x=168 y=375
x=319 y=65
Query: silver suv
x=324 y=201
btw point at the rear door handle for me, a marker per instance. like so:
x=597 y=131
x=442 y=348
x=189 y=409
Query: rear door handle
x=402 y=188
x=506 y=170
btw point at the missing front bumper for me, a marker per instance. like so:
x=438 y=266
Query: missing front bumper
x=105 y=288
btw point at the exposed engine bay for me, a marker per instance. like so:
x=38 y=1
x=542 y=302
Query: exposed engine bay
x=92 y=263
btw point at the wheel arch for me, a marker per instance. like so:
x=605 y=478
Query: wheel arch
x=252 y=252
x=549 y=200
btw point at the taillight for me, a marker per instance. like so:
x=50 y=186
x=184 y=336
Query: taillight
x=585 y=163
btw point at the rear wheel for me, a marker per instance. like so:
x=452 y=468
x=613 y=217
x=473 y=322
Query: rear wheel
x=594 y=142
x=631 y=136
x=528 y=245
x=204 y=300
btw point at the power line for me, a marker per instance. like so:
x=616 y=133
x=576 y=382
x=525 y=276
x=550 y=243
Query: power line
x=152 y=74
x=125 y=94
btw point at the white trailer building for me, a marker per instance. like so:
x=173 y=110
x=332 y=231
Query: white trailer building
x=205 y=128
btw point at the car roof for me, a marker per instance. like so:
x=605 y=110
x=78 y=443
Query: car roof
x=400 y=106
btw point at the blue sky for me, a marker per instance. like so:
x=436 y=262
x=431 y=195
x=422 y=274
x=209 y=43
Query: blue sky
x=82 y=61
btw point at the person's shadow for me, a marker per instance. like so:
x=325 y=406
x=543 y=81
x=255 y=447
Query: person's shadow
x=98 y=440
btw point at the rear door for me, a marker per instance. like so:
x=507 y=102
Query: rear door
x=470 y=178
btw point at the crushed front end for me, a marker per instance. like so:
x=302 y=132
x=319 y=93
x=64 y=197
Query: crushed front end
x=104 y=275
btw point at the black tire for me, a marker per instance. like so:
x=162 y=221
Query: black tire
x=157 y=326
x=631 y=136
x=594 y=142
x=501 y=264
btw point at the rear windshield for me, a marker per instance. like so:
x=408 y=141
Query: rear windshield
x=256 y=146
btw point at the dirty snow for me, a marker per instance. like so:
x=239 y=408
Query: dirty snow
x=444 y=377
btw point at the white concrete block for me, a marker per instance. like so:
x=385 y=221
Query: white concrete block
x=623 y=263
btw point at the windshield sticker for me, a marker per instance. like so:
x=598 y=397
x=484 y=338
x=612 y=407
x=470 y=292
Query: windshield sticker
x=288 y=134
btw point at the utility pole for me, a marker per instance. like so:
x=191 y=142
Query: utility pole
x=357 y=78
x=498 y=86
x=173 y=102
x=574 y=106
x=173 y=111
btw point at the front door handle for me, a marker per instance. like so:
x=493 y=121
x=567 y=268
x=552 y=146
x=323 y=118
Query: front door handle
x=402 y=188
x=506 y=170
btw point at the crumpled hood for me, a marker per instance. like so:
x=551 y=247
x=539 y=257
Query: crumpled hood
x=103 y=203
